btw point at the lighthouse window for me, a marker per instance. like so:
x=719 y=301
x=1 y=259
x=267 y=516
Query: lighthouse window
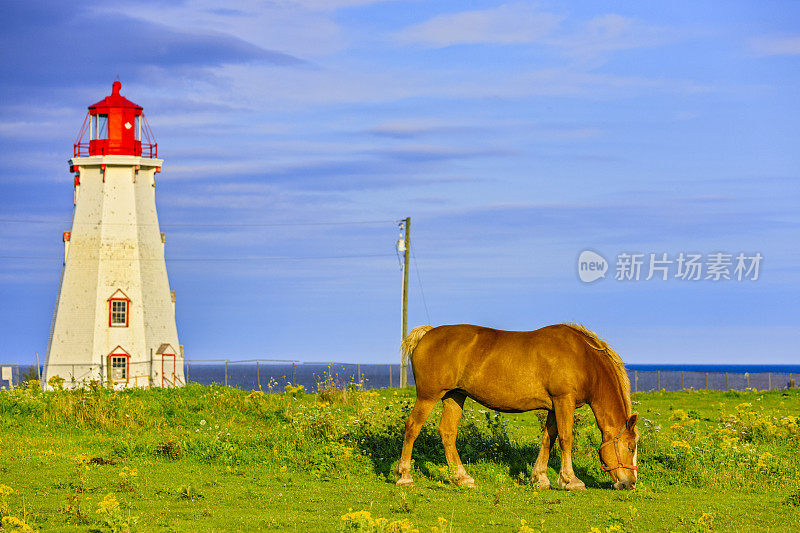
x=102 y=126
x=137 y=128
x=119 y=367
x=118 y=312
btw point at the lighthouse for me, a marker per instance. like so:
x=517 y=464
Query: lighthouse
x=114 y=320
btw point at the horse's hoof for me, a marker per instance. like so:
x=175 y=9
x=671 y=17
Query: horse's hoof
x=405 y=482
x=543 y=484
x=465 y=482
x=575 y=484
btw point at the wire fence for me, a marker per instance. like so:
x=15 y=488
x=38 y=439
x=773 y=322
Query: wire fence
x=672 y=380
x=160 y=371
x=274 y=375
x=253 y=374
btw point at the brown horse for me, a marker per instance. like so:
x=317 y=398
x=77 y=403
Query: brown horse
x=557 y=368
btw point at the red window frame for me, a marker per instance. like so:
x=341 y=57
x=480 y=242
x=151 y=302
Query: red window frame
x=127 y=312
x=111 y=357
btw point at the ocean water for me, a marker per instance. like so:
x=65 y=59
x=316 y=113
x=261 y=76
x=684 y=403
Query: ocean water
x=715 y=377
x=643 y=377
x=752 y=369
x=275 y=376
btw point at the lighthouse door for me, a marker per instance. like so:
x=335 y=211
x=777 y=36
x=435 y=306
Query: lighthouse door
x=168 y=377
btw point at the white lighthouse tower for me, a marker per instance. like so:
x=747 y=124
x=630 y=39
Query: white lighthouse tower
x=115 y=314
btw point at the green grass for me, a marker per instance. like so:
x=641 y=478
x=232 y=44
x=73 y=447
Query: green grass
x=216 y=459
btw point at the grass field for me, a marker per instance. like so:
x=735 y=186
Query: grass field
x=216 y=459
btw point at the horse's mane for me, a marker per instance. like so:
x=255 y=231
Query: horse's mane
x=616 y=362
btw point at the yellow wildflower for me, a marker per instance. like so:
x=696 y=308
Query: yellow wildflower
x=442 y=527
x=127 y=472
x=400 y=526
x=679 y=415
x=108 y=505
x=683 y=445
x=730 y=441
x=706 y=521
x=12 y=523
x=5 y=490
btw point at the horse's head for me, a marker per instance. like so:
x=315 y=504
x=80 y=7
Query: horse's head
x=618 y=455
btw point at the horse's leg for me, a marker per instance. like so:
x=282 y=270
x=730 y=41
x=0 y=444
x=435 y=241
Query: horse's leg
x=422 y=408
x=452 y=408
x=565 y=415
x=548 y=436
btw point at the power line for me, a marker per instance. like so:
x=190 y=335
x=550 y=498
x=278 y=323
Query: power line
x=209 y=259
x=280 y=224
x=205 y=225
x=419 y=280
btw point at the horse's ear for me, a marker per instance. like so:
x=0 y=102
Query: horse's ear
x=631 y=421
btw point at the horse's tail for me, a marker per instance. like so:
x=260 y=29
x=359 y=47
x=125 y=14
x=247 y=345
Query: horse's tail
x=411 y=341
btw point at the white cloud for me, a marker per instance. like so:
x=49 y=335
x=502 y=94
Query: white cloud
x=262 y=90
x=610 y=33
x=776 y=46
x=331 y=5
x=506 y=24
x=521 y=24
x=303 y=28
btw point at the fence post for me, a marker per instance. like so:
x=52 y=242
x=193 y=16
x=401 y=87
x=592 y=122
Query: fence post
x=747 y=376
x=769 y=378
x=226 y=372
x=186 y=372
x=658 y=372
x=726 y=382
x=682 y=387
x=294 y=368
x=635 y=381
x=706 y=380
x=390 y=377
x=358 y=373
x=258 y=375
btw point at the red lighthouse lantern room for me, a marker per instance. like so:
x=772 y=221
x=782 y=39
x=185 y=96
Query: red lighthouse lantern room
x=115 y=126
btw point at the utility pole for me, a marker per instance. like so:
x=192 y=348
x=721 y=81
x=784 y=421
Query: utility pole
x=404 y=245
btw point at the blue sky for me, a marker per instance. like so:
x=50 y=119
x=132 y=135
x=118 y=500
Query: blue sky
x=516 y=135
